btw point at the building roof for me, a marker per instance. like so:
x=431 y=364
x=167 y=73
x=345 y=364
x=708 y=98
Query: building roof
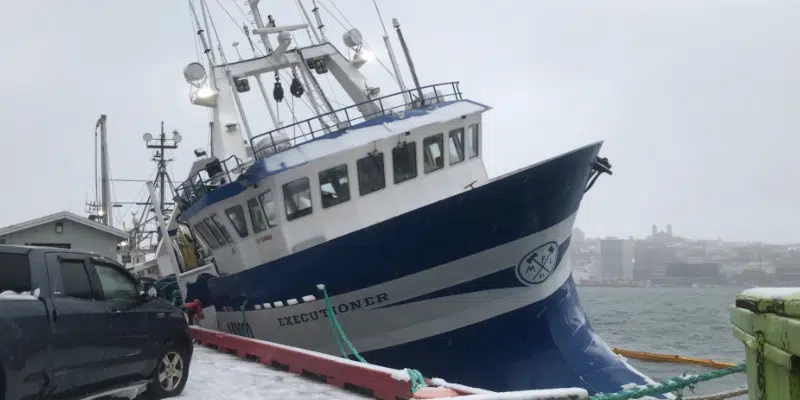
x=59 y=216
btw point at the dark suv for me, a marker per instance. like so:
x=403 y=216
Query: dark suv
x=77 y=325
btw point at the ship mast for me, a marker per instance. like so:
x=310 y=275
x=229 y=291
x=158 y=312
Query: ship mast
x=105 y=205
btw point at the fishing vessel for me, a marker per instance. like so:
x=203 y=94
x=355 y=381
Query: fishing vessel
x=429 y=263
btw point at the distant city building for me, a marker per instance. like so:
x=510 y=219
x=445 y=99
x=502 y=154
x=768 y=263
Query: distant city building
x=685 y=273
x=648 y=255
x=616 y=259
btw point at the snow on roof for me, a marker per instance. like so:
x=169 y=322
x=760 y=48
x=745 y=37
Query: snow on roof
x=351 y=138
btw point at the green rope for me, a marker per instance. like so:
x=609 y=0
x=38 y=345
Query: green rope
x=176 y=298
x=669 y=385
x=417 y=379
x=338 y=329
x=244 y=318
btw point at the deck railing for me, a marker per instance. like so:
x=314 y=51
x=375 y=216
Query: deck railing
x=218 y=173
x=316 y=126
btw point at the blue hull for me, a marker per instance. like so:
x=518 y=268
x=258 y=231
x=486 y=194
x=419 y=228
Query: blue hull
x=544 y=343
x=534 y=347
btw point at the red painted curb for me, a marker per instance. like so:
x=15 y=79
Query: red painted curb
x=369 y=380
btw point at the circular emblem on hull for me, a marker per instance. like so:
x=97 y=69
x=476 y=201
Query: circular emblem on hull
x=538 y=264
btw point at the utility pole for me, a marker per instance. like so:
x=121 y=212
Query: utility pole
x=160 y=145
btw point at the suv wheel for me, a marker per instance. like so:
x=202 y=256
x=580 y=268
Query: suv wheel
x=170 y=374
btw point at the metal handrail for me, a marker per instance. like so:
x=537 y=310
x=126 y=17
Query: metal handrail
x=196 y=187
x=348 y=121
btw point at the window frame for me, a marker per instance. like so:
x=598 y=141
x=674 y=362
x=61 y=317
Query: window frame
x=83 y=263
x=463 y=154
x=28 y=285
x=298 y=213
x=271 y=222
x=363 y=190
x=255 y=203
x=94 y=263
x=206 y=234
x=437 y=138
x=212 y=227
x=246 y=232
x=474 y=148
x=346 y=185
x=217 y=220
x=413 y=162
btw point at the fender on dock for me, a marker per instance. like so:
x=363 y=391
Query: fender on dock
x=366 y=379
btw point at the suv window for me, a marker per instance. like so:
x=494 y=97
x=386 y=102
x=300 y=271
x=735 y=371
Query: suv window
x=15 y=272
x=116 y=285
x=76 y=280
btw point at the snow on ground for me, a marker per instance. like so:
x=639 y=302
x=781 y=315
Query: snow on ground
x=215 y=375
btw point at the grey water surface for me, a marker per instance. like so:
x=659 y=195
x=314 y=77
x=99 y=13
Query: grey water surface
x=691 y=322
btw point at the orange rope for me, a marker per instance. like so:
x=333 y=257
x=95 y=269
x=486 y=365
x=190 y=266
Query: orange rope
x=669 y=358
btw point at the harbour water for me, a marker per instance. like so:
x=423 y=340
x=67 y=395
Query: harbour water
x=691 y=322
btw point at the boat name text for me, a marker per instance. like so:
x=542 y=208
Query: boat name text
x=341 y=308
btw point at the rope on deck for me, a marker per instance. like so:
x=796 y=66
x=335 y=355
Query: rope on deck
x=670 y=385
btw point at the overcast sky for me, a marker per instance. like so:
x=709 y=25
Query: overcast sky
x=697 y=101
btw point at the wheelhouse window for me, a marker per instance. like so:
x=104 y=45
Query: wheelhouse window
x=473 y=140
x=334 y=187
x=222 y=229
x=456 y=146
x=206 y=235
x=236 y=215
x=297 y=198
x=267 y=200
x=257 y=217
x=404 y=162
x=215 y=231
x=432 y=148
x=371 y=173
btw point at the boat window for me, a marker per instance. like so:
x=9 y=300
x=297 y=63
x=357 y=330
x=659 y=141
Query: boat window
x=236 y=215
x=268 y=203
x=404 y=162
x=334 y=186
x=432 y=147
x=371 y=174
x=473 y=140
x=297 y=198
x=215 y=231
x=257 y=217
x=206 y=235
x=456 y=146
x=222 y=229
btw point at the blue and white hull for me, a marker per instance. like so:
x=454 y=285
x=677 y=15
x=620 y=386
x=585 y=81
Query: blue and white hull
x=474 y=289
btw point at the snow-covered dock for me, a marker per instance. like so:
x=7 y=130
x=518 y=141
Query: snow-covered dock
x=215 y=375
x=294 y=369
